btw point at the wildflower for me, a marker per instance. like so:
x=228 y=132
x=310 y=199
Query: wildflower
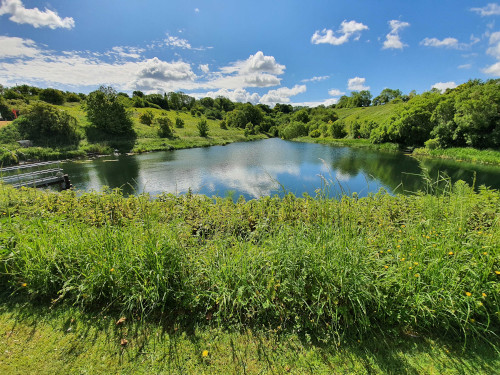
x=112 y=270
x=497 y=272
x=483 y=294
x=402 y=259
x=386 y=267
x=24 y=285
x=468 y=294
x=417 y=275
x=410 y=268
x=204 y=353
x=472 y=320
x=389 y=250
x=485 y=253
x=415 y=263
x=450 y=253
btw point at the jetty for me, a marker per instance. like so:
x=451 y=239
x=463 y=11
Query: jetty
x=36 y=175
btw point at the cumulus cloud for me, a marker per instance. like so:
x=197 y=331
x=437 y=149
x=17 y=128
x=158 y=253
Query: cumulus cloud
x=446 y=42
x=282 y=95
x=493 y=70
x=161 y=71
x=347 y=30
x=393 y=40
x=443 y=86
x=238 y=95
x=34 y=17
x=336 y=92
x=204 y=68
x=494 y=42
x=491 y=9
x=357 y=84
x=325 y=102
x=315 y=79
x=465 y=66
x=258 y=63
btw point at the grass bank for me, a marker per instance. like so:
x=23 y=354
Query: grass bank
x=328 y=268
x=357 y=143
x=461 y=154
x=65 y=340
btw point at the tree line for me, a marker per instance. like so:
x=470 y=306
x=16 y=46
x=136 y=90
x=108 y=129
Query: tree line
x=468 y=115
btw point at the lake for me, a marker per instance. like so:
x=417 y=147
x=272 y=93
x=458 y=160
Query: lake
x=268 y=167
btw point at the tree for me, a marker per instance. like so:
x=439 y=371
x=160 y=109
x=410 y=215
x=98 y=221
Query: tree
x=147 y=118
x=45 y=124
x=179 y=123
x=5 y=111
x=106 y=113
x=52 y=96
x=203 y=128
x=165 y=124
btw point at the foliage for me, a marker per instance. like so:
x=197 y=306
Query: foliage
x=179 y=123
x=45 y=124
x=5 y=110
x=337 y=129
x=165 y=127
x=202 y=127
x=146 y=118
x=52 y=96
x=106 y=113
x=293 y=130
x=357 y=99
x=421 y=264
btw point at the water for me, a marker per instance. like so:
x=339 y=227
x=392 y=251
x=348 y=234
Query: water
x=269 y=167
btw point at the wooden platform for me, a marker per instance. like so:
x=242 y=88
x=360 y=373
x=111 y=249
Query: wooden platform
x=35 y=175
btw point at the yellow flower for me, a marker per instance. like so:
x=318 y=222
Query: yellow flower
x=415 y=263
x=468 y=294
x=450 y=253
x=111 y=270
x=497 y=272
x=402 y=259
x=484 y=294
x=24 y=285
x=417 y=275
x=386 y=267
x=472 y=320
x=204 y=353
x=485 y=253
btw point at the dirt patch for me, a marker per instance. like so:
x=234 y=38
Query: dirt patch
x=4 y=123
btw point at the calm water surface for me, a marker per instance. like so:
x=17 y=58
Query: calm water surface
x=269 y=167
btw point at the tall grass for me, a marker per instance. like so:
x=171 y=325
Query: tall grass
x=416 y=263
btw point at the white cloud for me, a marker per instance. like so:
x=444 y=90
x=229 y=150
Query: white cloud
x=282 y=95
x=197 y=10
x=493 y=70
x=325 y=102
x=315 y=79
x=174 y=41
x=335 y=92
x=18 y=47
x=442 y=86
x=238 y=95
x=163 y=71
x=204 y=68
x=494 y=49
x=491 y=9
x=357 y=84
x=465 y=66
x=392 y=40
x=258 y=63
x=346 y=31
x=446 y=42
x=34 y=17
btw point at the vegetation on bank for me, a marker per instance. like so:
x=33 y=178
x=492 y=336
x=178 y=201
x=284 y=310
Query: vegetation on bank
x=327 y=268
x=463 y=117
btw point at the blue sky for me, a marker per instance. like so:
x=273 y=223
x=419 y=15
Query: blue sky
x=287 y=51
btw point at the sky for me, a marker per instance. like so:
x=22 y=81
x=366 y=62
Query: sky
x=274 y=51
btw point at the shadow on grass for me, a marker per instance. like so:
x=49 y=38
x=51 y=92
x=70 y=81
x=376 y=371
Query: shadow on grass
x=122 y=142
x=175 y=342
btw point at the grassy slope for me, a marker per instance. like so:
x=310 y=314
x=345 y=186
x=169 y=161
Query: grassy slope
x=147 y=138
x=66 y=341
x=379 y=114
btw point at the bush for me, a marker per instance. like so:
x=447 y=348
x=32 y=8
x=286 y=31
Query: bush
x=52 y=96
x=223 y=125
x=165 y=124
x=72 y=98
x=315 y=133
x=146 y=118
x=337 y=129
x=432 y=143
x=179 y=123
x=293 y=130
x=202 y=128
x=5 y=110
x=45 y=124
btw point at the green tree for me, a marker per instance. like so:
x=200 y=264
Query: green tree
x=203 y=128
x=5 y=111
x=165 y=127
x=45 y=124
x=179 y=123
x=52 y=96
x=106 y=113
x=146 y=118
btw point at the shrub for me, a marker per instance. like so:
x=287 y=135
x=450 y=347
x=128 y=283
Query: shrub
x=315 y=133
x=202 y=128
x=223 y=125
x=337 y=129
x=45 y=124
x=179 y=123
x=72 y=98
x=165 y=127
x=146 y=118
x=52 y=96
x=432 y=143
x=293 y=130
